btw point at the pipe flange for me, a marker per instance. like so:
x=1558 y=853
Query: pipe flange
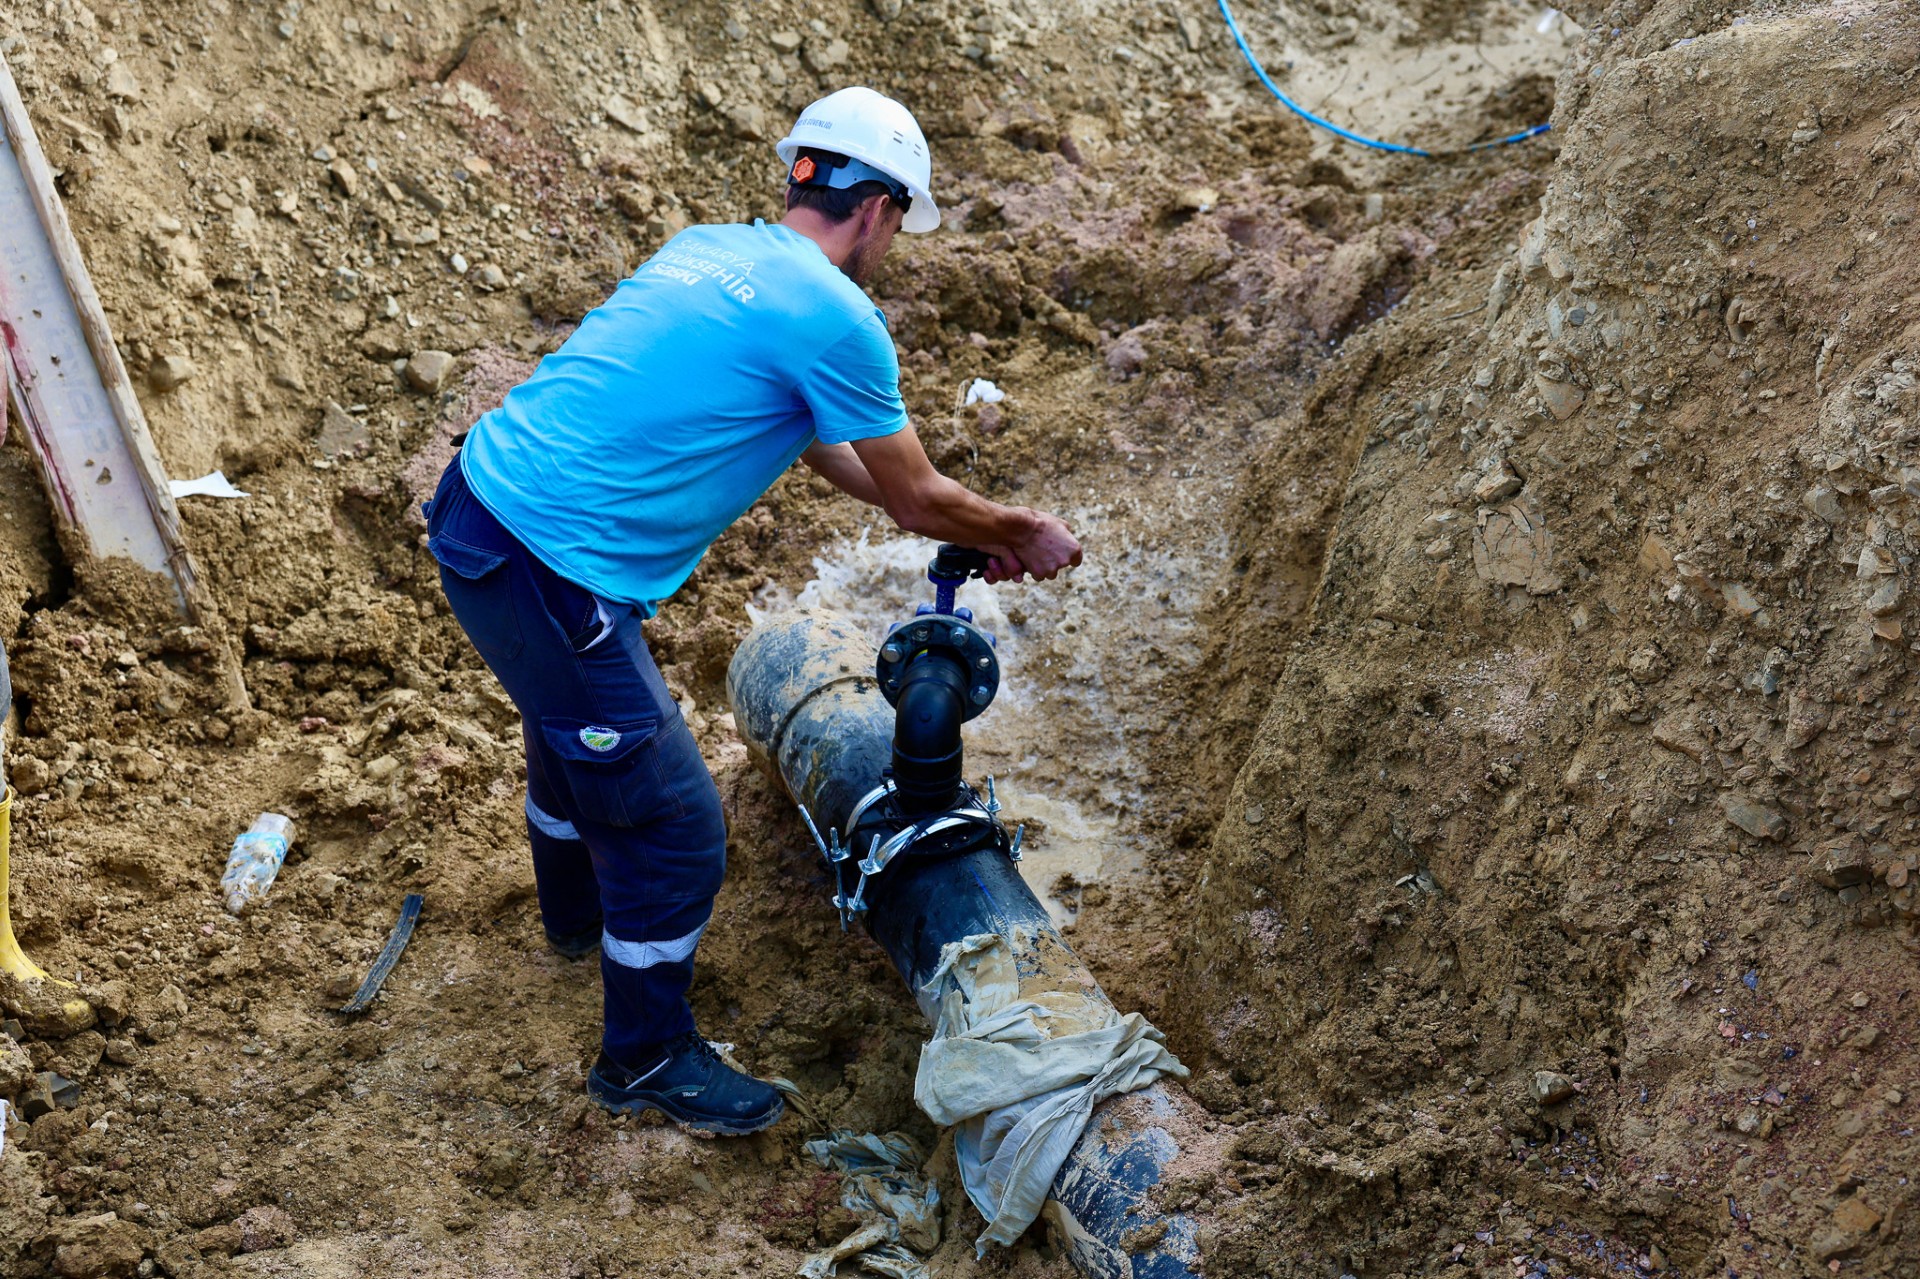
x=944 y=633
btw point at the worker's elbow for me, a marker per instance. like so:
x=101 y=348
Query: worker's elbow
x=909 y=513
x=910 y=508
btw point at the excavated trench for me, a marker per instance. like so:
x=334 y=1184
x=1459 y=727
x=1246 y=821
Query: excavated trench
x=1310 y=752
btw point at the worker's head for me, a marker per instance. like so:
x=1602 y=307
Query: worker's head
x=867 y=137
x=842 y=190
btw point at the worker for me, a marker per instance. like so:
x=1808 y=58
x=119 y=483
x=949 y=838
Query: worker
x=592 y=492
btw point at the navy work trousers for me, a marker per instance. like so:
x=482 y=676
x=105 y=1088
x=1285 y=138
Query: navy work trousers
x=624 y=820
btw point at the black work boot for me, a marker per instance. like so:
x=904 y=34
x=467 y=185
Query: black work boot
x=686 y=1081
x=576 y=945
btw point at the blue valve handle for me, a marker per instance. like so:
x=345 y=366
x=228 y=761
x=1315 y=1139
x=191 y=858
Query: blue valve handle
x=952 y=565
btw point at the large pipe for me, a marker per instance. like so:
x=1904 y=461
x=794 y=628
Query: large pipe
x=809 y=710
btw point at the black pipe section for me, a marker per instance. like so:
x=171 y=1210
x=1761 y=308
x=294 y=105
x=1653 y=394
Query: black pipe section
x=927 y=753
x=807 y=706
x=812 y=716
x=931 y=901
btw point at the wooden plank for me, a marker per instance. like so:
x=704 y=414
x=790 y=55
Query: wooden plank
x=104 y=478
x=6 y=679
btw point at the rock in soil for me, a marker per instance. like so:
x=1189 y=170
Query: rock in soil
x=427 y=371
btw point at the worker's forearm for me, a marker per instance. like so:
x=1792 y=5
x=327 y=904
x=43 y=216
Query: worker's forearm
x=947 y=511
x=939 y=508
x=855 y=482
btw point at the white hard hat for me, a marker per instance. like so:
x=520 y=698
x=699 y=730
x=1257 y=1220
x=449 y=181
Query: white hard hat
x=872 y=128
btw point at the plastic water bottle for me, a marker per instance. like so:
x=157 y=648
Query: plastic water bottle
x=255 y=860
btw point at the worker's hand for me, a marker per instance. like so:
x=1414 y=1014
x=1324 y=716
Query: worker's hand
x=1046 y=551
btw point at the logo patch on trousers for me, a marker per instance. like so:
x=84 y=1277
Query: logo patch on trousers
x=599 y=739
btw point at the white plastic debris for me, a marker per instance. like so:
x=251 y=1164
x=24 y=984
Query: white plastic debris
x=984 y=392
x=212 y=484
x=1548 y=21
x=899 y=1205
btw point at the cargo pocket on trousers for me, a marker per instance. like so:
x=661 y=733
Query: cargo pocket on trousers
x=612 y=770
x=475 y=581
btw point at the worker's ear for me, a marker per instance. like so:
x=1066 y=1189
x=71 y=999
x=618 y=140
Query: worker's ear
x=873 y=210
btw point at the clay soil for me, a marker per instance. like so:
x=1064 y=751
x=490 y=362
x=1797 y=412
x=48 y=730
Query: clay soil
x=1483 y=735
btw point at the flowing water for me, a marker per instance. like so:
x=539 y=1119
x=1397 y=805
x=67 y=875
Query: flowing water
x=1077 y=674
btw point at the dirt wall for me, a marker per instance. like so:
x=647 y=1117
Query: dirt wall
x=1563 y=910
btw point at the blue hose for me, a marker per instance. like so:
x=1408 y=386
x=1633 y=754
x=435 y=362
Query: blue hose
x=1247 y=51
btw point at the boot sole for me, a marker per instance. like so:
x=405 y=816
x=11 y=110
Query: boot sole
x=573 y=951
x=639 y=1103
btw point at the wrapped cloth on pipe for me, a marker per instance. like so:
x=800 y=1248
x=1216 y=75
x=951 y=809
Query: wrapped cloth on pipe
x=1019 y=1073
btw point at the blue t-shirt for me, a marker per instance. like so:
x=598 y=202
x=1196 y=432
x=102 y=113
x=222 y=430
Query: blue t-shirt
x=678 y=402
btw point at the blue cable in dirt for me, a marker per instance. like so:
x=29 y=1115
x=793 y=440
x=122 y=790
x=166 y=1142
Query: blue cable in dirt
x=1253 y=61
